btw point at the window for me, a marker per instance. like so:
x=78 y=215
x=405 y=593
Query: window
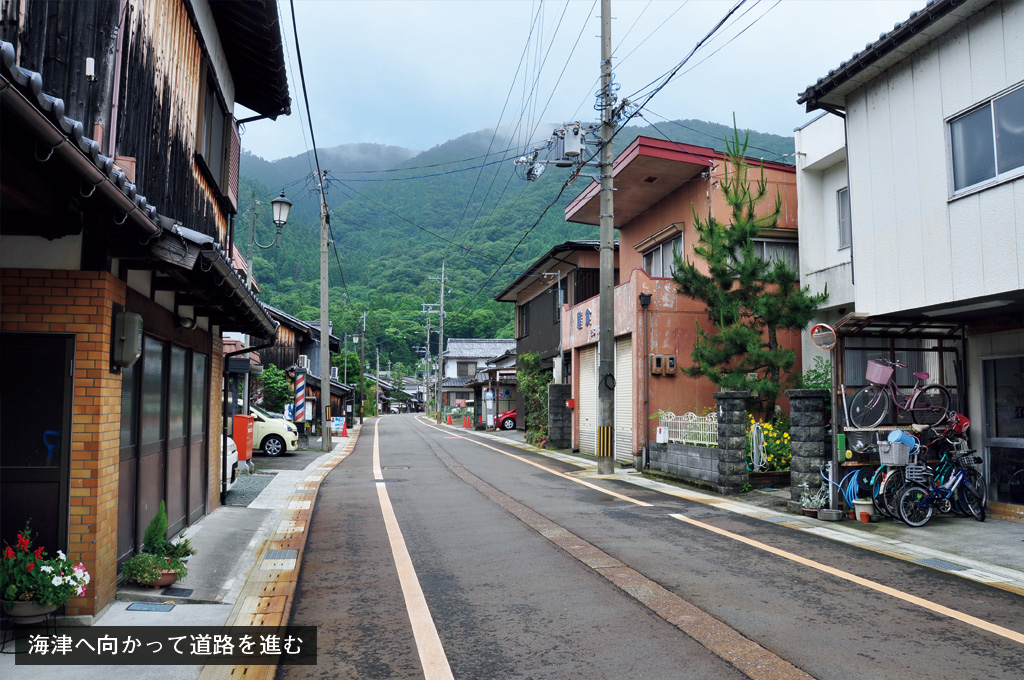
x=660 y=260
x=845 y=223
x=988 y=142
x=523 y=320
x=466 y=369
x=777 y=249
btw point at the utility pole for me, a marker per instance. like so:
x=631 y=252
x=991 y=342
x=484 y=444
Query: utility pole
x=325 y=332
x=426 y=372
x=376 y=396
x=362 y=363
x=440 y=347
x=606 y=300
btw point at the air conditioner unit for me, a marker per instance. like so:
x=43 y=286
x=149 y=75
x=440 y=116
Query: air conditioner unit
x=334 y=372
x=304 y=362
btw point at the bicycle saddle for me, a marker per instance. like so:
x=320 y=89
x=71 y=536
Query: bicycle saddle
x=922 y=376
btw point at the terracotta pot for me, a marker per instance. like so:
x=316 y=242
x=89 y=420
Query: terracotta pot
x=810 y=512
x=26 y=612
x=167 y=577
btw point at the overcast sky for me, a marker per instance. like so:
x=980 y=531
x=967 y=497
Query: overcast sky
x=417 y=73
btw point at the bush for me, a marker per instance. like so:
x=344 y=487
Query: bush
x=154 y=541
x=145 y=568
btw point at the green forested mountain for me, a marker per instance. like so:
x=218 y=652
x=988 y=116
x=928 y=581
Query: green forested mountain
x=397 y=214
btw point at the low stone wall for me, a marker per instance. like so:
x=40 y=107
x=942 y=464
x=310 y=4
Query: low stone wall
x=692 y=463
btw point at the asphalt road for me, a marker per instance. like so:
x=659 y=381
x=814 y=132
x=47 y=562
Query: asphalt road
x=529 y=570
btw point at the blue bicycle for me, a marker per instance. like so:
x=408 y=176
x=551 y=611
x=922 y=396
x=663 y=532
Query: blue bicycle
x=917 y=503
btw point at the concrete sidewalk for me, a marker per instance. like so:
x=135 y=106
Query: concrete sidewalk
x=248 y=558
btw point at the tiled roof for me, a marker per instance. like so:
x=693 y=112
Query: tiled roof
x=470 y=348
x=937 y=17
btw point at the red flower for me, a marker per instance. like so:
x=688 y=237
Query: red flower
x=39 y=553
x=8 y=553
x=23 y=542
x=31 y=566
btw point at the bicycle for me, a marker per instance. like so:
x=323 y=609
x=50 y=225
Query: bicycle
x=917 y=503
x=928 y=404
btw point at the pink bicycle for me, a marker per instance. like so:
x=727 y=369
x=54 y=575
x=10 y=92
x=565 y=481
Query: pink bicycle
x=927 y=404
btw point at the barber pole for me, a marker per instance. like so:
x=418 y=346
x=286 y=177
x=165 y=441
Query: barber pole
x=300 y=396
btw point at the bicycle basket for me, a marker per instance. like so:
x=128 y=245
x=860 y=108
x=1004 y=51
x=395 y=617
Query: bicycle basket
x=878 y=374
x=967 y=458
x=917 y=473
x=893 y=453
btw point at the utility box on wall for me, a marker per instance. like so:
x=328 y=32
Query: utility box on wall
x=657 y=364
x=670 y=365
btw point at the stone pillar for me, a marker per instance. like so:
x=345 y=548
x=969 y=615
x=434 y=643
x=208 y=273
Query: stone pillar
x=559 y=417
x=807 y=441
x=732 y=441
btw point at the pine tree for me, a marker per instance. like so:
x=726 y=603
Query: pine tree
x=749 y=299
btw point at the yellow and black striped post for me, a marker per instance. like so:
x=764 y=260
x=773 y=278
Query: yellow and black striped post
x=605 y=441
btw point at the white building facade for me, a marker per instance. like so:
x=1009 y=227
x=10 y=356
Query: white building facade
x=933 y=120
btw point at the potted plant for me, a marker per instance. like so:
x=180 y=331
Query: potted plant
x=159 y=563
x=157 y=571
x=863 y=506
x=810 y=503
x=32 y=585
x=182 y=548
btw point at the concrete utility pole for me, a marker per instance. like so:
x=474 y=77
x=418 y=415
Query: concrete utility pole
x=325 y=332
x=440 y=348
x=362 y=363
x=606 y=300
x=426 y=371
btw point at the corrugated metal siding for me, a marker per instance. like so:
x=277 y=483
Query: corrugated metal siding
x=587 y=400
x=624 y=400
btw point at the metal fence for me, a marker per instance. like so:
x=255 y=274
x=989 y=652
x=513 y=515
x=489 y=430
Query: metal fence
x=690 y=428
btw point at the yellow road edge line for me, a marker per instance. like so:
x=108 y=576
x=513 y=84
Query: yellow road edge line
x=887 y=590
x=859 y=580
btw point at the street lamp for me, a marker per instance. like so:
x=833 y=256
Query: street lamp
x=281 y=207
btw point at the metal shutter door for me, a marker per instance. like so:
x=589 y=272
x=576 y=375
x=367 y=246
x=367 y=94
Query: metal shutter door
x=624 y=400
x=587 y=402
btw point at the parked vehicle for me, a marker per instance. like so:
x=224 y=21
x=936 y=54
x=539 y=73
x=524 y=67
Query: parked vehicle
x=272 y=434
x=231 y=464
x=507 y=420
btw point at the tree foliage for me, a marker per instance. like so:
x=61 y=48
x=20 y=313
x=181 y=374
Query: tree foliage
x=277 y=390
x=533 y=385
x=749 y=299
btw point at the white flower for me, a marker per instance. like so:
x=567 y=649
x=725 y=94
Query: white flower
x=60 y=555
x=57 y=580
x=47 y=568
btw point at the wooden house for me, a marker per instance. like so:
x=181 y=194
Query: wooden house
x=119 y=156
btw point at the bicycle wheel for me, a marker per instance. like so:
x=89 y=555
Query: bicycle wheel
x=911 y=505
x=977 y=480
x=972 y=499
x=931 y=407
x=869 y=406
x=890 y=491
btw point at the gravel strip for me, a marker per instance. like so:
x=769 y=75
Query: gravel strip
x=247 y=487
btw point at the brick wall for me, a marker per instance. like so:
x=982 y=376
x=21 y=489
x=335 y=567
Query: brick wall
x=81 y=303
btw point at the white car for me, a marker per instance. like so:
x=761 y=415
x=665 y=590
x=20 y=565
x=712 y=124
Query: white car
x=273 y=434
x=231 y=464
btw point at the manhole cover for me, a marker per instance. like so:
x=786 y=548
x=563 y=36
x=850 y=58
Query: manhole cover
x=150 y=607
x=396 y=467
x=178 y=592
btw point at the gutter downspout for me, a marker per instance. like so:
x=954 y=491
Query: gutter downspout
x=645 y=301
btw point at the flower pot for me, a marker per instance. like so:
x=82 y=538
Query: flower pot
x=167 y=577
x=861 y=507
x=810 y=512
x=26 y=612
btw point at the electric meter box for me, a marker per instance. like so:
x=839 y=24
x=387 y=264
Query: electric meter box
x=127 y=345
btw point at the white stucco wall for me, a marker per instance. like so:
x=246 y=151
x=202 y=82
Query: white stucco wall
x=915 y=245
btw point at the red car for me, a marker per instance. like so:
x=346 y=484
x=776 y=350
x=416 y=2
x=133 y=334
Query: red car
x=507 y=420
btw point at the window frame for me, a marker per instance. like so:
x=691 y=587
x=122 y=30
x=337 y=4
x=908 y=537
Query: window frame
x=460 y=365
x=998 y=177
x=659 y=248
x=844 y=218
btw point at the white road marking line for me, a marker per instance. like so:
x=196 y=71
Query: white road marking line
x=872 y=585
x=892 y=592
x=428 y=643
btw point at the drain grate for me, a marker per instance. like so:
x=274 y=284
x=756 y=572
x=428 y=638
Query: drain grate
x=149 y=607
x=942 y=564
x=178 y=592
x=281 y=555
